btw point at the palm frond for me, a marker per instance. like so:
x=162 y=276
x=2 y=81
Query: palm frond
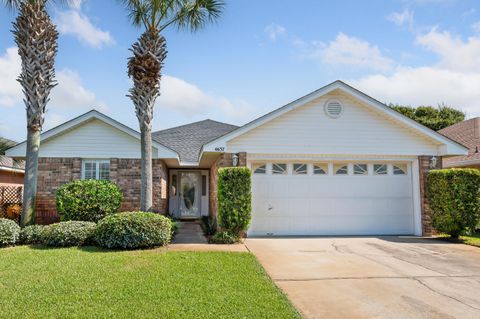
x=195 y=14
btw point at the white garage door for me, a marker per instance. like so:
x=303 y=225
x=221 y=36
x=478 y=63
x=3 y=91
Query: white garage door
x=331 y=199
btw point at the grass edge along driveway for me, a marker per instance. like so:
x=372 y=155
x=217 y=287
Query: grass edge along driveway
x=89 y=282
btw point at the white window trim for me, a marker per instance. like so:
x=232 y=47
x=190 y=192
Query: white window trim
x=97 y=166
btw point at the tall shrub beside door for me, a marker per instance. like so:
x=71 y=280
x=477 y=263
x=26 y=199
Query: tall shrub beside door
x=234 y=199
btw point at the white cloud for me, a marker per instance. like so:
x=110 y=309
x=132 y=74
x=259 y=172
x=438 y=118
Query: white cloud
x=476 y=26
x=349 y=51
x=401 y=18
x=455 y=54
x=274 y=31
x=52 y=120
x=74 y=22
x=71 y=94
x=75 y=4
x=189 y=100
x=10 y=67
x=454 y=80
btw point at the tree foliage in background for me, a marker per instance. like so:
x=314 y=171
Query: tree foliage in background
x=435 y=118
x=145 y=65
x=5 y=144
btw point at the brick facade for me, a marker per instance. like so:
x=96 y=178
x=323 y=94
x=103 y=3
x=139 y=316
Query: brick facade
x=54 y=172
x=225 y=160
x=424 y=167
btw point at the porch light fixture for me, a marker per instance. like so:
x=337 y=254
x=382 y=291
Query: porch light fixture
x=235 y=159
x=433 y=162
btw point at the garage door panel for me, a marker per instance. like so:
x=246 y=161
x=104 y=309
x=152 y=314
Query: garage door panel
x=331 y=205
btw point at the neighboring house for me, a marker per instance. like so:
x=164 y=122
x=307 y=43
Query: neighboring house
x=11 y=171
x=334 y=162
x=466 y=133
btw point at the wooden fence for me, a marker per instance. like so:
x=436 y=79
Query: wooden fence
x=11 y=198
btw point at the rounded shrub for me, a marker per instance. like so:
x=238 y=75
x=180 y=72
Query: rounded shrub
x=234 y=199
x=454 y=200
x=87 y=200
x=132 y=230
x=32 y=234
x=224 y=237
x=9 y=232
x=68 y=234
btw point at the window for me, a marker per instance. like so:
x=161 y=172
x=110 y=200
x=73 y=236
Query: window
x=380 y=169
x=279 y=169
x=259 y=168
x=320 y=169
x=204 y=185
x=96 y=169
x=340 y=169
x=174 y=185
x=299 y=169
x=400 y=169
x=360 y=169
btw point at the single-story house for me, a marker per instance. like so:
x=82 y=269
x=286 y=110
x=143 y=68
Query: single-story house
x=468 y=134
x=333 y=162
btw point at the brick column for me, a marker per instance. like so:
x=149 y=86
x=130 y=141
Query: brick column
x=424 y=167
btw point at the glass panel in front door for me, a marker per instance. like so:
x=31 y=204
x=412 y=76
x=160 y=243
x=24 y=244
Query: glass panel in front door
x=190 y=194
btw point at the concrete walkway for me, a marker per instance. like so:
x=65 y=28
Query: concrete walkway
x=189 y=233
x=190 y=238
x=384 y=277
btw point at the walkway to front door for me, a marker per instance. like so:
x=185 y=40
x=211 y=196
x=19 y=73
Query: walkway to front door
x=189 y=233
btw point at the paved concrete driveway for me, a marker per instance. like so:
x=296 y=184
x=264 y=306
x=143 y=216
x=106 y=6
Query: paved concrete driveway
x=385 y=277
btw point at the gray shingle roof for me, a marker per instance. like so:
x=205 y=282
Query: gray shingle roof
x=9 y=162
x=187 y=140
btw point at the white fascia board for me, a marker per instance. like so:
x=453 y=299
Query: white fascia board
x=11 y=169
x=449 y=147
x=19 y=150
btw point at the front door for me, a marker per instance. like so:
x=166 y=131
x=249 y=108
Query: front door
x=190 y=183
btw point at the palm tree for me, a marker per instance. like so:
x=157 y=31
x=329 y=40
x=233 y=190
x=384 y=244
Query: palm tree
x=145 y=66
x=36 y=38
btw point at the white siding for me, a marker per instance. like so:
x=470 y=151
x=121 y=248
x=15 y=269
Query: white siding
x=93 y=139
x=308 y=130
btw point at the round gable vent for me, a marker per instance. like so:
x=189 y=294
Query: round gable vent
x=333 y=108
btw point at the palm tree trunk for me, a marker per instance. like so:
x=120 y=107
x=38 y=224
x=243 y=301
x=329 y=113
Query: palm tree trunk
x=30 y=179
x=144 y=67
x=36 y=38
x=146 y=193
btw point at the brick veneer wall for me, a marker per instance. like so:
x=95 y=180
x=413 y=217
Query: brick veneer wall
x=54 y=172
x=424 y=167
x=225 y=160
x=126 y=173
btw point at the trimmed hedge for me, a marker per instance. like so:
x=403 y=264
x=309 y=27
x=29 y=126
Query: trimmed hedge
x=9 y=232
x=32 y=234
x=87 y=200
x=454 y=199
x=234 y=199
x=130 y=230
x=68 y=234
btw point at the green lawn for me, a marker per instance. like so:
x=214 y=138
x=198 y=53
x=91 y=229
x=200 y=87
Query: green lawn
x=36 y=282
x=472 y=240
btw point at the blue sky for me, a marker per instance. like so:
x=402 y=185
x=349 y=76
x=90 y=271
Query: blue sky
x=259 y=56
